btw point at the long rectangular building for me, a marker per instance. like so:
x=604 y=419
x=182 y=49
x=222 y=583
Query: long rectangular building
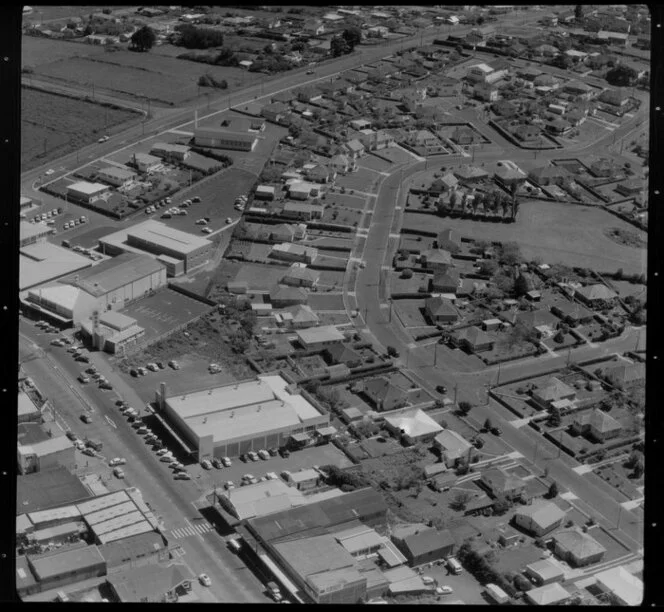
x=239 y=417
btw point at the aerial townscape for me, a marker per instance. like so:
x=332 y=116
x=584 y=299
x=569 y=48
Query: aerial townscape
x=333 y=304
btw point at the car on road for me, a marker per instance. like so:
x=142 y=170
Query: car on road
x=118 y=472
x=49 y=172
x=217 y=463
x=442 y=389
x=182 y=476
x=119 y=402
x=496 y=431
x=229 y=220
x=57 y=342
x=71 y=435
x=226 y=461
x=235 y=544
x=207 y=465
x=83 y=379
x=106 y=386
x=205 y=580
x=311 y=72
x=89 y=451
x=117 y=461
x=444 y=590
x=86 y=418
x=103 y=139
x=273 y=590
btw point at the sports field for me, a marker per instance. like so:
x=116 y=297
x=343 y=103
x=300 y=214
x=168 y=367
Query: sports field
x=53 y=125
x=573 y=235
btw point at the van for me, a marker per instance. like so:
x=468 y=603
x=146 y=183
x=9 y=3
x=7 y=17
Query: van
x=495 y=593
x=66 y=244
x=454 y=566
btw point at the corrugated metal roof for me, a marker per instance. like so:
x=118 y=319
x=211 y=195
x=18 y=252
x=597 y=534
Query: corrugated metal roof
x=66 y=561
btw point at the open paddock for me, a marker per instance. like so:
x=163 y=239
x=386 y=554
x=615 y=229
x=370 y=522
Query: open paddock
x=572 y=235
x=36 y=51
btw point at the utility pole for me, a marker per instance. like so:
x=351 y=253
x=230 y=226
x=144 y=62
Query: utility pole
x=435 y=354
x=498 y=379
x=456 y=389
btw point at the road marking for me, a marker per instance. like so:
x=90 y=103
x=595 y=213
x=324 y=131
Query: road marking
x=182 y=132
x=186 y=532
x=518 y=423
x=110 y=422
x=394 y=235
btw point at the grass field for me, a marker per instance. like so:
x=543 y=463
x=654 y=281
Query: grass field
x=572 y=235
x=39 y=51
x=163 y=79
x=374 y=163
x=54 y=125
x=362 y=180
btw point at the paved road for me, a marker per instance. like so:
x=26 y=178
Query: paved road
x=171 y=500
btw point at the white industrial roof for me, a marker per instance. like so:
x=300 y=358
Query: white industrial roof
x=625 y=586
x=125 y=532
x=118 y=522
x=25 y=404
x=243 y=409
x=63 y=295
x=103 y=501
x=111 y=512
x=42 y=262
x=483 y=67
x=414 y=423
x=87 y=188
x=28 y=230
x=325 y=333
x=44 y=516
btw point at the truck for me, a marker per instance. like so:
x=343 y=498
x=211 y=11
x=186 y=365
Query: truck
x=495 y=593
x=94 y=444
x=454 y=566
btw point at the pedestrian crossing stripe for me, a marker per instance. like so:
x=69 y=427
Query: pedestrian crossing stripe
x=185 y=532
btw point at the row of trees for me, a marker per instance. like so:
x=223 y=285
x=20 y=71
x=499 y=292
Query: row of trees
x=192 y=37
x=489 y=202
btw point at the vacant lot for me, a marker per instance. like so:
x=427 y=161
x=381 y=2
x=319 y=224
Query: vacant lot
x=326 y=302
x=410 y=312
x=165 y=80
x=164 y=311
x=345 y=200
x=397 y=155
x=555 y=232
x=362 y=180
x=54 y=125
x=374 y=163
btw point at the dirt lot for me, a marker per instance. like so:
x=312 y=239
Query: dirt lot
x=627 y=237
x=165 y=80
x=54 y=125
x=330 y=279
x=555 y=232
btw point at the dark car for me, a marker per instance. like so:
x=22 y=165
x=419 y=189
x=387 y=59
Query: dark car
x=119 y=402
x=496 y=431
x=83 y=359
x=244 y=457
x=217 y=463
x=442 y=389
x=284 y=452
x=160 y=365
x=86 y=418
x=134 y=373
x=273 y=451
x=71 y=435
x=131 y=419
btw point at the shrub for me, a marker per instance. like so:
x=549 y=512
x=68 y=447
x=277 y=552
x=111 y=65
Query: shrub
x=407 y=273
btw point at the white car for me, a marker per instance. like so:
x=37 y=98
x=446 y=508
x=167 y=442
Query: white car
x=167 y=458
x=229 y=485
x=253 y=456
x=206 y=464
x=201 y=222
x=206 y=230
x=117 y=461
x=226 y=461
x=162 y=452
x=205 y=580
x=228 y=220
x=49 y=172
x=444 y=590
x=271 y=476
x=263 y=454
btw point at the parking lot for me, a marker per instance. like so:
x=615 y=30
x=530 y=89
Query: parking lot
x=163 y=311
x=465 y=587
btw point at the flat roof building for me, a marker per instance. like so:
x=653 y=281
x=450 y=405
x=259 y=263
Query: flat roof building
x=260 y=499
x=32 y=232
x=315 y=338
x=45 y=262
x=156 y=239
x=86 y=192
x=235 y=137
x=48 y=489
x=67 y=566
x=46 y=454
x=239 y=417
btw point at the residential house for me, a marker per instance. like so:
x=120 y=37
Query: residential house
x=558 y=127
x=314 y=27
x=443 y=184
x=285 y=97
x=577 y=88
x=449 y=239
x=527 y=132
x=548 y=595
x=596 y=296
x=300 y=316
x=287 y=232
x=549 y=175
x=546 y=50
x=539 y=518
x=500 y=483
x=342 y=164
x=282 y=296
x=274 y=111
x=485 y=92
x=342 y=353
x=473 y=339
x=445 y=282
x=299 y=276
x=170 y=152
x=509 y=176
x=626 y=375
x=319 y=338
x=436 y=260
x=597 y=424
x=618 y=39
x=572 y=313
x=302 y=211
x=151 y=583
x=440 y=310
x=145 y=163
x=320 y=174
x=354 y=149
x=423 y=544
x=470 y=174
x=480 y=73
x=384 y=395
x=452 y=446
x=577 y=548
x=553 y=392
x=625 y=588
x=465 y=135
x=544 y=572
x=615 y=97
x=413 y=426
x=630 y=187
x=288 y=251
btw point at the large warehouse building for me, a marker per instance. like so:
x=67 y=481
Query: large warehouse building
x=236 y=136
x=240 y=417
x=179 y=251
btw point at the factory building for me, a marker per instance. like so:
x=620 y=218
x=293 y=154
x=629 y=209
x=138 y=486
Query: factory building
x=239 y=417
x=179 y=251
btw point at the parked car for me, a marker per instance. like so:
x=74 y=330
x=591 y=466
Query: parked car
x=206 y=230
x=117 y=461
x=79 y=444
x=153 y=367
x=235 y=544
x=496 y=431
x=183 y=476
x=229 y=485
x=253 y=456
x=229 y=220
x=160 y=365
x=263 y=454
x=273 y=451
x=206 y=464
x=442 y=389
x=83 y=379
x=71 y=435
x=226 y=461
x=83 y=359
x=134 y=372
x=167 y=458
x=106 y=386
x=174 y=364
x=284 y=452
x=86 y=418
x=161 y=452
x=217 y=463
x=89 y=452
x=196 y=199
x=271 y=476
x=444 y=590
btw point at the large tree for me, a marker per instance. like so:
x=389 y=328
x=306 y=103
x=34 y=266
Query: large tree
x=143 y=39
x=621 y=76
x=339 y=46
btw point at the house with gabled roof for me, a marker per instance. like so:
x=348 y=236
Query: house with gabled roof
x=470 y=174
x=284 y=97
x=444 y=184
x=274 y=111
x=539 y=518
x=452 y=446
x=282 y=296
x=542 y=321
x=299 y=316
x=384 y=394
x=445 y=282
x=549 y=175
x=572 y=313
x=342 y=353
x=413 y=426
x=440 y=310
x=436 y=260
x=626 y=375
x=341 y=163
x=598 y=425
x=473 y=339
x=548 y=595
x=552 y=391
x=298 y=276
x=354 y=148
